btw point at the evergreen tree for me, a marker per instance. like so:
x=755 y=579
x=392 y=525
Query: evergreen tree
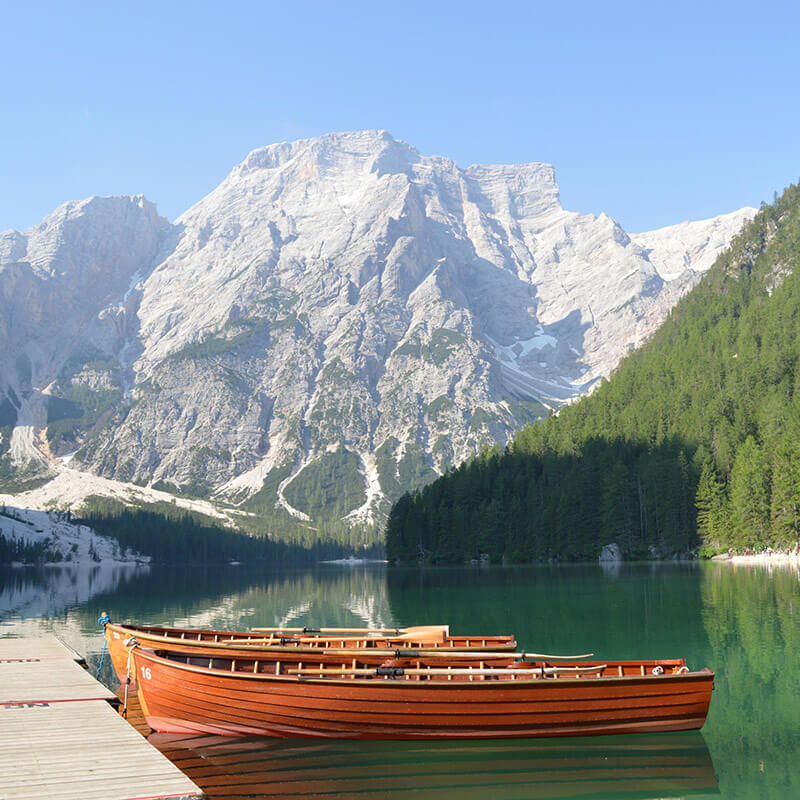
x=749 y=496
x=710 y=503
x=786 y=490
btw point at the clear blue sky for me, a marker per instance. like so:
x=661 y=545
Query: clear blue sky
x=652 y=112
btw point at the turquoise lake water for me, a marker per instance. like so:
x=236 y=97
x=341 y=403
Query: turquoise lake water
x=743 y=622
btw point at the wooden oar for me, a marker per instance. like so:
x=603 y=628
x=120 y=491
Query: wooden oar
x=438 y=652
x=430 y=636
x=369 y=632
x=312 y=672
x=544 y=657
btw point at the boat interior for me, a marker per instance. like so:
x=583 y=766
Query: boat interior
x=499 y=667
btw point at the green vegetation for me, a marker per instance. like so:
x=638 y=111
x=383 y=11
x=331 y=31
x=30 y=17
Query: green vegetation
x=481 y=418
x=343 y=402
x=439 y=407
x=77 y=408
x=442 y=344
x=275 y=522
x=329 y=487
x=413 y=469
x=13 y=549
x=170 y=535
x=387 y=468
x=15 y=477
x=241 y=330
x=695 y=439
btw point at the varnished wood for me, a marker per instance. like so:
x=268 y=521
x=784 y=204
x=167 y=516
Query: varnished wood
x=180 y=697
x=203 y=642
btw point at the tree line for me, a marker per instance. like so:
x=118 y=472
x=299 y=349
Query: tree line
x=175 y=535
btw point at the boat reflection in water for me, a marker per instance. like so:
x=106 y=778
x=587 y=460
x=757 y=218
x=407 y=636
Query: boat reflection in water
x=644 y=766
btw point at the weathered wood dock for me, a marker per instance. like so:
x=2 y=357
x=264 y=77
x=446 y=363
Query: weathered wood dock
x=61 y=737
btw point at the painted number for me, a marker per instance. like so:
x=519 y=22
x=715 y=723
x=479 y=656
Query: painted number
x=146 y=672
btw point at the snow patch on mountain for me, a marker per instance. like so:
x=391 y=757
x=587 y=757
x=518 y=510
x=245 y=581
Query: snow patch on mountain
x=70 y=488
x=64 y=540
x=690 y=246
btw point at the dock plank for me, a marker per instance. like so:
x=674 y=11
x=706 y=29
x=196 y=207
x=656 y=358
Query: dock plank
x=48 y=680
x=66 y=751
x=61 y=738
x=41 y=648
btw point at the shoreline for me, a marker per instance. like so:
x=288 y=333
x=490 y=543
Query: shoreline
x=764 y=559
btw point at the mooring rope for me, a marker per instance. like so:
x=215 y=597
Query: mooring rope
x=130 y=643
x=102 y=621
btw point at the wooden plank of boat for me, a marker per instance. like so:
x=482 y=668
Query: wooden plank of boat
x=182 y=698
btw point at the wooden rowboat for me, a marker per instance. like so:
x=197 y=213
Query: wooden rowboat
x=188 y=640
x=249 y=696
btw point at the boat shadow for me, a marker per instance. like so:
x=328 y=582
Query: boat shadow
x=644 y=766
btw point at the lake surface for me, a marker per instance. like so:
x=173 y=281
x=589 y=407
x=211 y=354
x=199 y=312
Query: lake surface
x=743 y=622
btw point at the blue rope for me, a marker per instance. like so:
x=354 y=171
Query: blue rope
x=102 y=658
x=102 y=621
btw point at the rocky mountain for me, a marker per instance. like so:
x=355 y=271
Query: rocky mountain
x=340 y=319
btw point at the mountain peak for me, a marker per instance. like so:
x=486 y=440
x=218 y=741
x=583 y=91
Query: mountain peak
x=332 y=147
x=339 y=311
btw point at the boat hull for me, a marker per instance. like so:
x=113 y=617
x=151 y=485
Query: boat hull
x=179 y=698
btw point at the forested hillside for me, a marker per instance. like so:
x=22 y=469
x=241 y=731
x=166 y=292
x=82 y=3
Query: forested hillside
x=694 y=440
x=173 y=535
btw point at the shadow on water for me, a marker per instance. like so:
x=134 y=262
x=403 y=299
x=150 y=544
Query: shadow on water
x=655 y=766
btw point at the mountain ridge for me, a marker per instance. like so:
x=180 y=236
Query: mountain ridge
x=340 y=308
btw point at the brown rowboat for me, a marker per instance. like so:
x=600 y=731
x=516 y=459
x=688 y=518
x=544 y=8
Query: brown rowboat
x=209 y=642
x=271 y=697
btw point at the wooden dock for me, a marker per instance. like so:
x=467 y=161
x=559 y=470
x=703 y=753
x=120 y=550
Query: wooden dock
x=61 y=737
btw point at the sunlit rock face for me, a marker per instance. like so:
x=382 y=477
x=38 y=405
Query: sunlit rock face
x=340 y=312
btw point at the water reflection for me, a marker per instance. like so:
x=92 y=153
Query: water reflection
x=743 y=623
x=752 y=618
x=46 y=591
x=657 y=766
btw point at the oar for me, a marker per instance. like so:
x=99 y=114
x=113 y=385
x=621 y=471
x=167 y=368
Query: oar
x=312 y=672
x=394 y=632
x=426 y=637
x=404 y=652
x=415 y=652
x=545 y=657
